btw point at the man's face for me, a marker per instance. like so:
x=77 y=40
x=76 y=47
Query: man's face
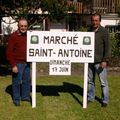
x=95 y=20
x=23 y=25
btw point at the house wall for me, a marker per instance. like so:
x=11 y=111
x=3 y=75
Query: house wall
x=105 y=22
x=110 y=19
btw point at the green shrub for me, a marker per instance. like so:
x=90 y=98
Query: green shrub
x=115 y=44
x=115 y=50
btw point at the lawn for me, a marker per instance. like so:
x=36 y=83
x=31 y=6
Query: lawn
x=60 y=98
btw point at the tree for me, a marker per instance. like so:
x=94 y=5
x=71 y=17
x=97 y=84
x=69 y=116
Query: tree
x=21 y=9
x=56 y=9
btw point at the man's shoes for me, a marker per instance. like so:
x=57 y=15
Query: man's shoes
x=104 y=104
x=16 y=104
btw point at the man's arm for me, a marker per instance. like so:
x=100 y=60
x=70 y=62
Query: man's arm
x=10 y=51
x=106 y=46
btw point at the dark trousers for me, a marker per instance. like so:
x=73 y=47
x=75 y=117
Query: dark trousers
x=22 y=78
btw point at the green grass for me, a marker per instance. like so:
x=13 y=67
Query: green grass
x=60 y=98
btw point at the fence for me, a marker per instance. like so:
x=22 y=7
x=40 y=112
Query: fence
x=105 y=6
x=100 y=6
x=78 y=6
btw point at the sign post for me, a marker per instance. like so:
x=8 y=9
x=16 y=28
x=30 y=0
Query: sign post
x=33 y=84
x=85 y=85
x=60 y=49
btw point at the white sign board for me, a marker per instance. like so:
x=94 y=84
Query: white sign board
x=43 y=46
x=56 y=47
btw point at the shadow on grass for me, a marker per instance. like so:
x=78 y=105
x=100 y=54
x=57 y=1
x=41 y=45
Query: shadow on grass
x=54 y=90
x=50 y=90
x=9 y=90
x=98 y=99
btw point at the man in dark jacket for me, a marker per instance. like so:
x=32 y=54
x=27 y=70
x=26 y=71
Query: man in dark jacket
x=16 y=55
x=100 y=64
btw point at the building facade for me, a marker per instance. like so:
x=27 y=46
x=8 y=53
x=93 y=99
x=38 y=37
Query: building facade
x=107 y=8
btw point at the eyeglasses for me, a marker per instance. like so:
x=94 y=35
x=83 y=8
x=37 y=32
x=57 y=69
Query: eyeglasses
x=23 y=25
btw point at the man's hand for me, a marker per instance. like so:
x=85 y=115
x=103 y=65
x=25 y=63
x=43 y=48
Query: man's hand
x=103 y=64
x=15 y=69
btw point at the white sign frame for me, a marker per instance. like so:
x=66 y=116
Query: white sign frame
x=89 y=34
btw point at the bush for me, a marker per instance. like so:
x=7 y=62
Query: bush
x=115 y=44
x=115 y=50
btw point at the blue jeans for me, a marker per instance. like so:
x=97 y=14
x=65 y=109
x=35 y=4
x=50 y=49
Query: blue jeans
x=102 y=74
x=21 y=80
